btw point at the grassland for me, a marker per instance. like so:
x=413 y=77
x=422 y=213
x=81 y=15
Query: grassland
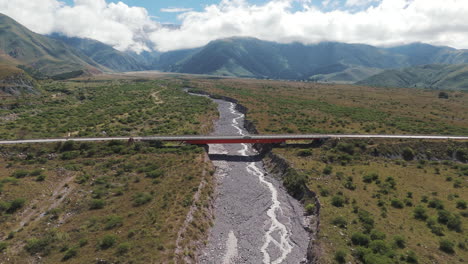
x=112 y=108
x=294 y=107
x=103 y=202
x=381 y=201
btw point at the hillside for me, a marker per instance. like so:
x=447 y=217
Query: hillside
x=48 y=56
x=14 y=81
x=327 y=61
x=249 y=57
x=439 y=76
x=103 y=54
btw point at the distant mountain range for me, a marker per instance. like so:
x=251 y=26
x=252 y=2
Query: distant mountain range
x=58 y=55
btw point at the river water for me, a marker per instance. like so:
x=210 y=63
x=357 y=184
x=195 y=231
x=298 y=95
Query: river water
x=256 y=221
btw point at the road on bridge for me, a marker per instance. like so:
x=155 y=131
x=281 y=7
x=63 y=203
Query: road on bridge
x=236 y=139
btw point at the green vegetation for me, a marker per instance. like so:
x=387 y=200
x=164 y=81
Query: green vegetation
x=76 y=201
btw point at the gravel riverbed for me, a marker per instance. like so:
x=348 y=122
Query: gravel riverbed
x=256 y=221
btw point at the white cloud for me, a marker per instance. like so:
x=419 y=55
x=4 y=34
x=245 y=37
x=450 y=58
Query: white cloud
x=389 y=22
x=359 y=3
x=116 y=24
x=175 y=10
x=385 y=22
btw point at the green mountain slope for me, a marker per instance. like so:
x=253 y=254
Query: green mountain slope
x=249 y=57
x=103 y=54
x=48 y=56
x=437 y=76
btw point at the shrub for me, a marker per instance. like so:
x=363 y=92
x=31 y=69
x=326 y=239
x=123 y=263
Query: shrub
x=435 y=203
x=461 y=204
x=107 y=241
x=447 y=246
x=304 y=153
x=294 y=183
x=346 y=147
x=340 y=221
x=366 y=219
x=35 y=245
x=350 y=185
x=396 y=203
x=411 y=257
x=70 y=253
x=340 y=256
x=408 y=153
x=369 y=178
x=154 y=174
x=399 y=241
x=420 y=213
x=15 y=205
x=454 y=223
x=324 y=192
x=40 y=178
x=377 y=235
x=141 y=198
x=338 y=201
x=97 y=204
x=379 y=247
x=113 y=221
x=123 y=248
x=20 y=174
x=327 y=170
x=3 y=246
x=443 y=216
x=360 y=239
x=310 y=208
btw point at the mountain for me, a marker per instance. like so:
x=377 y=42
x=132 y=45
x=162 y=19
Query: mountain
x=327 y=61
x=435 y=76
x=19 y=45
x=249 y=57
x=104 y=54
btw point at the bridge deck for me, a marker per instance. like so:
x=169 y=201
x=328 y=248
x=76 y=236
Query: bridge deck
x=238 y=139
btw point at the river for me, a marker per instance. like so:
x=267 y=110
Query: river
x=256 y=221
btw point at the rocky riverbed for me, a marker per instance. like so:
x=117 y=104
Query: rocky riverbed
x=256 y=221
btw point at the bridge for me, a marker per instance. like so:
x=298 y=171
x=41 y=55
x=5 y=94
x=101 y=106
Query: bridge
x=236 y=139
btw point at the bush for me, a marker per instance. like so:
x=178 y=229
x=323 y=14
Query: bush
x=3 y=246
x=34 y=245
x=396 y=203
x=141 y=198
x=340 y=221
x=454 y=223
x=408 y=153
x=346 y=148
x=310 y=208
x=420 y=213
x=113 y=221
x=447 y=246
x=304 y=153
x=70 y=253
x=123 y=248
x=97 y=204
x=19 y=174
x=338 y=201
x=360 y=239
x=107 y=241
x=15 y=205
x=411 y=257
x=366 y=219
x=377 y=235
x=340 y=256
x=369 y=178
x=399 y=241
x=379 y=247
x=327 y=170
x=461 y=204
x=154 y=174
x=435 y=203
x=40 y=178
x=443 y=216
x=294 y=183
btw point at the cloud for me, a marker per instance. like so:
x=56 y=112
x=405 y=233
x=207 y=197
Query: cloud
x=359 y=3
x=388 y=22
x=116 y=24
x=379 y=22
x=175 y=10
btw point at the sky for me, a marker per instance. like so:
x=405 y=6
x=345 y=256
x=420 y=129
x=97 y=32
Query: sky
x=141 y=25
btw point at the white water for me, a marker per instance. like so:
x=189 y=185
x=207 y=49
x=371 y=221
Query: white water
x=284 y=244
